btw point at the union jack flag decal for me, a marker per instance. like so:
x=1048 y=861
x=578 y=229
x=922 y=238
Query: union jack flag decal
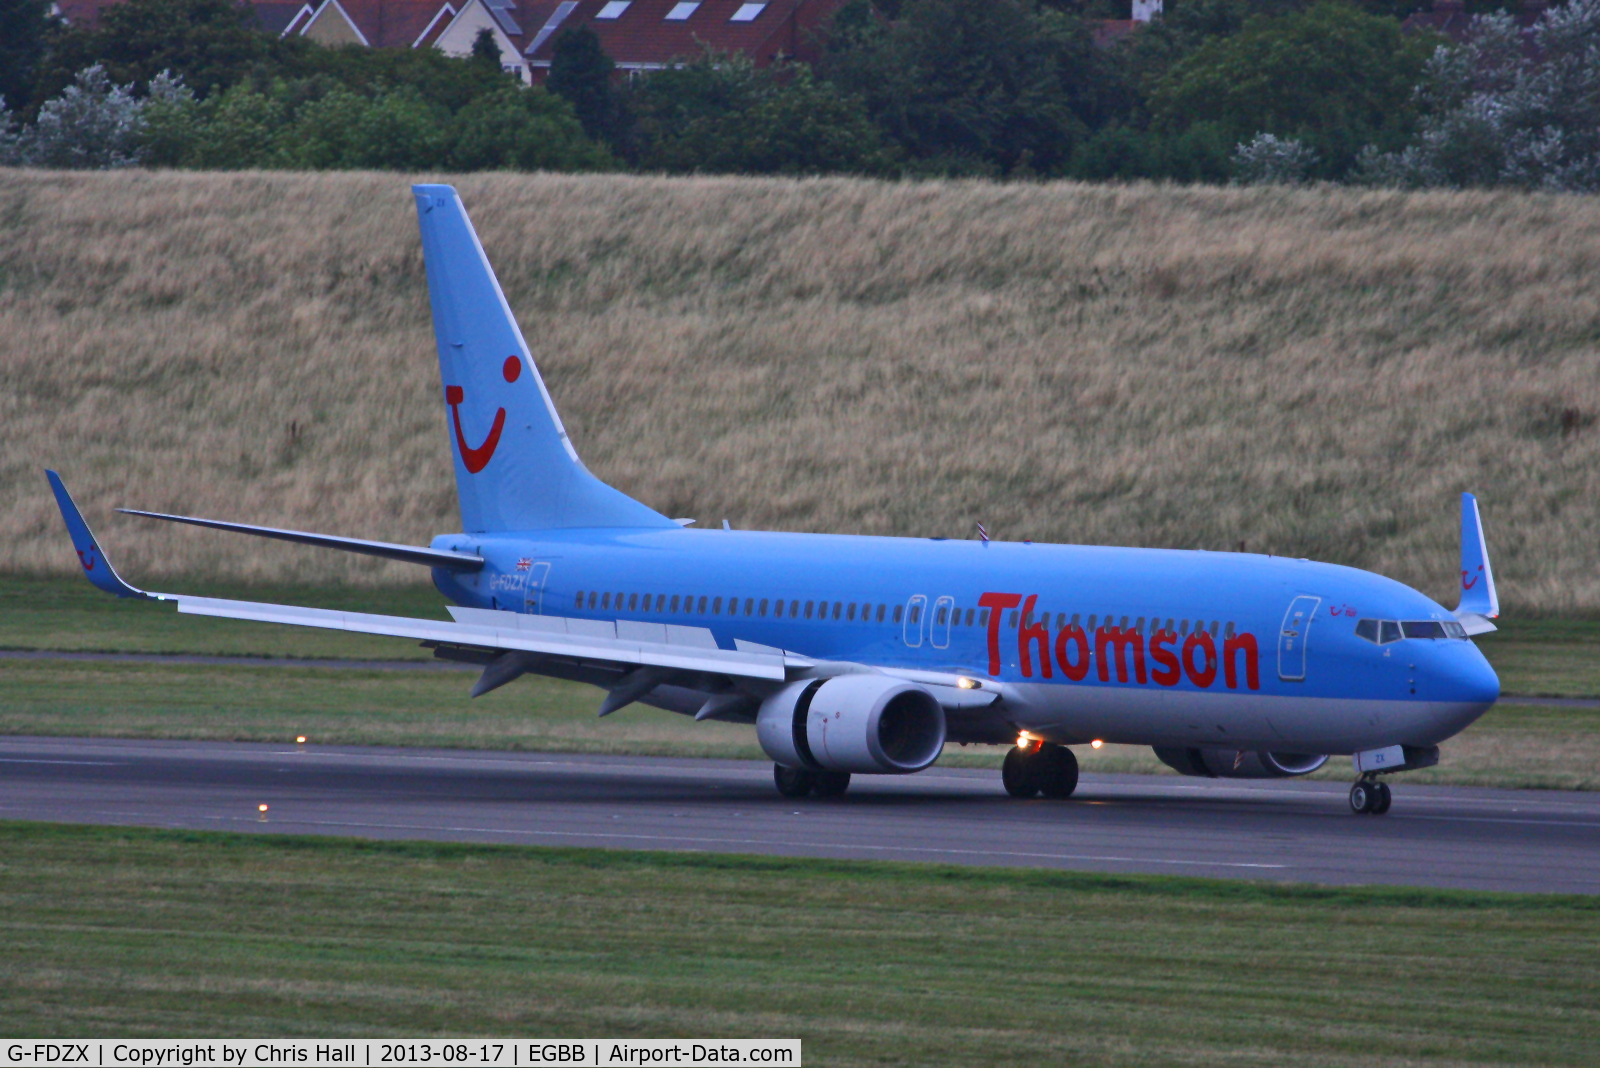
x=524 y=564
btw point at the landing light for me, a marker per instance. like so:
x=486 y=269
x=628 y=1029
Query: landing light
x=300 y=739
x=261 y=808
x=964 y=683
x=1096 y=744
x=1024 y=740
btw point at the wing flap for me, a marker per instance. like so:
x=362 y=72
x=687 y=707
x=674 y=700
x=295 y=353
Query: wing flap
x=474 y=629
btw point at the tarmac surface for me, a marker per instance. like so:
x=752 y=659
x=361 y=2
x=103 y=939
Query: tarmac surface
x=1519 y=840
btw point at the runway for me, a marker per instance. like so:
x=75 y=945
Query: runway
x=1513 y=840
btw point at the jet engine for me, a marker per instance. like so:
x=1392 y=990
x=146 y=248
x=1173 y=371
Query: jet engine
x=854 y=723
x=1234 y=764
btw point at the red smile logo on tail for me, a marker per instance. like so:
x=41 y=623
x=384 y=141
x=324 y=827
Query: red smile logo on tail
x=478 y=458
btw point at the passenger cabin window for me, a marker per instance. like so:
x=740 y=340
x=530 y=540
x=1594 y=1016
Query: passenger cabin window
x=899 y=612
x=580 y=598
x=880 y=614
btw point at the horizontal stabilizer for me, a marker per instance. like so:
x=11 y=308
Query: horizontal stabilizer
x=1479 y=602
x=410 y=554
x=96 y=568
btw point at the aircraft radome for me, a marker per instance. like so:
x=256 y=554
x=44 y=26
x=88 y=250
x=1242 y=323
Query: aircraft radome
x=866 y=655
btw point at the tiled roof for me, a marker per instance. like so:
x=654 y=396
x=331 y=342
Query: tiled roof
x=640 y=36
x=643 y=35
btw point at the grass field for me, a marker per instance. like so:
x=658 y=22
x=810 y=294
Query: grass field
x=1514 y=745
x=112 y=932
x=1307 y=372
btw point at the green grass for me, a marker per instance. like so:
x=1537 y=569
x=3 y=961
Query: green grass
x=115 y=932
x=67 y=613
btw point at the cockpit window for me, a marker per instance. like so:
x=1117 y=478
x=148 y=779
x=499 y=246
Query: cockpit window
x=1384 y=631
x=1426 y=628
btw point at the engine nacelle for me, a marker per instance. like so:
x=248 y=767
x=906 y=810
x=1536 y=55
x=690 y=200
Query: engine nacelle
x=1233 y=764
x=858 y=723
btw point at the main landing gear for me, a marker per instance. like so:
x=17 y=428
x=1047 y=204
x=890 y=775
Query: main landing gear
x=1040 y=768
x=1369 y=797
x=802 y=782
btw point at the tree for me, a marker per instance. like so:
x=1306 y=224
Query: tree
x=1331 y=77
x=525 y=130
x=24 y=26
x=1269 y=160
x=581 y=72
x=722 y=115
x=485 y=49
x=1497 y=112
x=997 y=87
x=210 y=44
x=92 y=125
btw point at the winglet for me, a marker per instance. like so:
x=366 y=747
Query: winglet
x=1479 y=602
x=95 y=565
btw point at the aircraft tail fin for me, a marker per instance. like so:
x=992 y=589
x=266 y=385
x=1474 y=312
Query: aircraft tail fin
x=515 y=467
x=96 y=568
x=1479 y=602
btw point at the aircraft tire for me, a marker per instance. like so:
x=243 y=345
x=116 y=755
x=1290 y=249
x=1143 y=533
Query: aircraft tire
x=1020 y=773
x=793 y=782
x=1384 y=799
x=1362 y=797
x=1057 y=771
x=829 y=783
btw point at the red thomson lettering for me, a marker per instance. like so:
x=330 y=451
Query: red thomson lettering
x=1169 y=672
x=1072 y=633
x=997 y=603
x=1121 y=639
x=1028 y=633
x=1245 y=643
x=1207 y=674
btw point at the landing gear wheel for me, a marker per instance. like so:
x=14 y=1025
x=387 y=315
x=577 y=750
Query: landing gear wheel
x=1020 y=773
x=1057 y=769
x=1384 y=799
x=830 y=783
x=1362 y=797
x=793 y=782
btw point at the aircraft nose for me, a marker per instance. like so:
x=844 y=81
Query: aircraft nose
x=1469 y=678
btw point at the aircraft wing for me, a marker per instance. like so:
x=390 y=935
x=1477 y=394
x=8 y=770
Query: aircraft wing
x=623 y=644
x=629 y=658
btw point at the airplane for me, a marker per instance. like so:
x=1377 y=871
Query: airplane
x=854 y=655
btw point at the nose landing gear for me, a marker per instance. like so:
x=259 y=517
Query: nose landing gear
x=1040 y=768
x=1369 y=797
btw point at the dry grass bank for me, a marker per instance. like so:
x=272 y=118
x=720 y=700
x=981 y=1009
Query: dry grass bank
x=1312 y=372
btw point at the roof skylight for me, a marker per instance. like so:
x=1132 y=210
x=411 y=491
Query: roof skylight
x=747 y=12
x=682 y=10
x=613 y=9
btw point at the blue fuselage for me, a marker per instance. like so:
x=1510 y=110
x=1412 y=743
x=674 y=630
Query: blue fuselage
x=1146 y=646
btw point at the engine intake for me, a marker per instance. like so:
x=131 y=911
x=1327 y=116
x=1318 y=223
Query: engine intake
x=856 y=723
x=1234 y=764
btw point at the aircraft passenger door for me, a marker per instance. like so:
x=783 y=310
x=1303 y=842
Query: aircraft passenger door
x=939 y=625
x=533 y=597
x=915 y=609
x=1292 y=638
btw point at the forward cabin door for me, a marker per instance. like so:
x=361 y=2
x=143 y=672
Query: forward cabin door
x=533 y=596
x=1292 y=638
x=915 y=609
x=939 y=626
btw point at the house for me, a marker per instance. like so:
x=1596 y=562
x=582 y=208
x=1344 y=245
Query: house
x=639 y=35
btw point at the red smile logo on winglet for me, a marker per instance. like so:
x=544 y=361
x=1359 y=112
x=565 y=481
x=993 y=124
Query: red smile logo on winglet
x=478 y=458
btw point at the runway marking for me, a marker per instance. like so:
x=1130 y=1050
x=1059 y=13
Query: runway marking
x=78 y=763
x=756 y=841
